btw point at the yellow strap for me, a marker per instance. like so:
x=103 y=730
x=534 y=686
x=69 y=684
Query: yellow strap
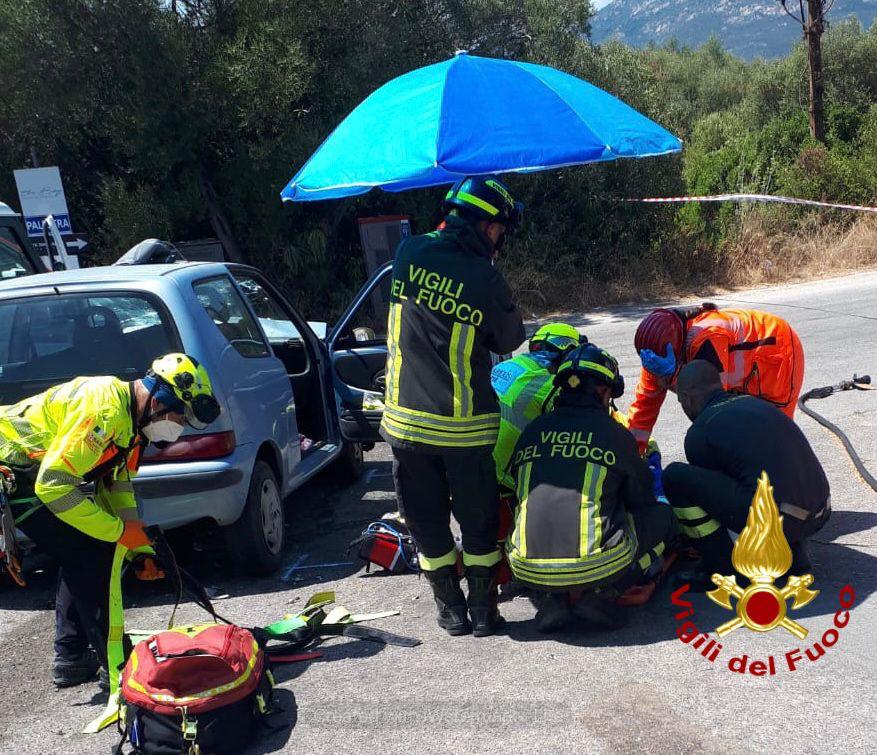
x=115 y=647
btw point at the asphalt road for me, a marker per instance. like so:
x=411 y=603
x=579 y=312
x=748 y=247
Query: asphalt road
x=634 y=690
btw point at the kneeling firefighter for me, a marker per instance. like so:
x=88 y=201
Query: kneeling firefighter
x=449 y=309
x=731 y=441
x=93 y=430
x=586 y=517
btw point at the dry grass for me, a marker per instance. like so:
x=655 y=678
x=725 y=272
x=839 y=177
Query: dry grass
x=815 y=250
x=766 y=250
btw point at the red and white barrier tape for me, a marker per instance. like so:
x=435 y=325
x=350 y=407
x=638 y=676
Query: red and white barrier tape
x=753 y=198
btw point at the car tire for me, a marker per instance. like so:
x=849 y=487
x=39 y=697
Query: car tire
x=350 y=462
x=255 y=541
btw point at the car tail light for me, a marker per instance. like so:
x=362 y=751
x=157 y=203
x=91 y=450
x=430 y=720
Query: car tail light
x=193 y=448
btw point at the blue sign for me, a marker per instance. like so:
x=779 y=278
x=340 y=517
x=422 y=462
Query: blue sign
x=35 y=224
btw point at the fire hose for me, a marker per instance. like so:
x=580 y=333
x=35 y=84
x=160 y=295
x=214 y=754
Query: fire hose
x=859 y=383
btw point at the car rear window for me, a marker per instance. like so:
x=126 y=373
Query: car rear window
x=226 y=308
x=46 y=340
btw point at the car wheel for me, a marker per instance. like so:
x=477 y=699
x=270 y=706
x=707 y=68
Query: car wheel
x=256 y=540
x=350 y=462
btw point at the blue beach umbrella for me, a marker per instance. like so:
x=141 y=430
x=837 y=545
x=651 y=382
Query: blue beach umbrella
x=471 y=116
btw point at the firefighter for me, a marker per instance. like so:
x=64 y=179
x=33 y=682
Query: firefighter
x=587 y=519
x=524 y=384
x=757 y=353
x=732 y=440
x=93 y=430
x=449 y=309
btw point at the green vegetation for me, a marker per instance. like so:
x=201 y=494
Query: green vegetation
x=185 y=119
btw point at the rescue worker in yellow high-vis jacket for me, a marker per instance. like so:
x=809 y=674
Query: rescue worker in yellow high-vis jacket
x=93 y=430
x=449 y=309
x=524 y=386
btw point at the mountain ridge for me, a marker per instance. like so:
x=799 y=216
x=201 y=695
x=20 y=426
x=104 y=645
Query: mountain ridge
x=748 y=28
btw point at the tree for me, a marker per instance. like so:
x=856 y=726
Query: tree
x=813 y=24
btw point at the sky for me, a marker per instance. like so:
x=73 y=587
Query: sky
x=600 y=3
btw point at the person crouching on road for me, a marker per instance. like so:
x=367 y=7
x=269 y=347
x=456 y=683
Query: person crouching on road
x=757 y=353
x=586 y=517
x=524 y=386
x=449 y=309
x=93 y=430
x=733 y=438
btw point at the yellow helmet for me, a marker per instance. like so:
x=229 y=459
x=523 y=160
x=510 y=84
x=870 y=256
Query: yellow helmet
x=190 y=386
x=556 y=336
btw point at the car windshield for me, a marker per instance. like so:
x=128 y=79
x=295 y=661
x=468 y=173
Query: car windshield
x=46 y=340
x=13 y=261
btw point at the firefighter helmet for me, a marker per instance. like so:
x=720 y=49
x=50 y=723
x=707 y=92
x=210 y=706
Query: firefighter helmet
x=556 y=336
x=589 y=363
x=189 y=384
x=485 y=198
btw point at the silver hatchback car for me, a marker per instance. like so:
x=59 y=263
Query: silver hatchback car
x=293 y=403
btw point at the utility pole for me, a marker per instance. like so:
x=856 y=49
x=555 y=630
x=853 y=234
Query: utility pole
x=813 y=25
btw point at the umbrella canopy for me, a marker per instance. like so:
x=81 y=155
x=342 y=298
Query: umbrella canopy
x=472 y=116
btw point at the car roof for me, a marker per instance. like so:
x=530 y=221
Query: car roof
x=6 y=210
x=113 y=274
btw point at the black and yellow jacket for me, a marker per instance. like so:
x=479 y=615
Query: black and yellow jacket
x=578 y=474
x=449 y=309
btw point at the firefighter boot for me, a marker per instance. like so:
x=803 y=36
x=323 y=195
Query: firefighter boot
x=483 y=596
x=75 y=670
x=553 y=612
x=600 y=609
x=449 y=600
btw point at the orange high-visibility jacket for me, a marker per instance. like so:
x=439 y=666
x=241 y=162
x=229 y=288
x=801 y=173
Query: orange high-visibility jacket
x=757 y=353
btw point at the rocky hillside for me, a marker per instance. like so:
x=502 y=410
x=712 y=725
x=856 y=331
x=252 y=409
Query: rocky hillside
x=748 y=28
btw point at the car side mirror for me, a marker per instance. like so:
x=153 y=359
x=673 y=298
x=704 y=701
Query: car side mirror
x=363 y=334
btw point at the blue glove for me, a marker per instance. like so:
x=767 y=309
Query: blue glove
x=654 y=462
x=662 y=366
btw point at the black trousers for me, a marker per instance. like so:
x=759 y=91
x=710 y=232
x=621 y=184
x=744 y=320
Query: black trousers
x=726 y=501
x=431 y=486
x=83 y=594
x=655 y=531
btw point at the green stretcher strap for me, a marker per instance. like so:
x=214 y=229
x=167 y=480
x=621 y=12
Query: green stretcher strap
x=115 y=645
x=33 y=503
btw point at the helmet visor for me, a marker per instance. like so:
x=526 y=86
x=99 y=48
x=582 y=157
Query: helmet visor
x=516 y=218
x=202 y=411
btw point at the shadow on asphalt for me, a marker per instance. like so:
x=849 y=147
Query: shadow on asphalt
x=323 y=518
x=332 y=651
x=834 y=566
x=275 y=733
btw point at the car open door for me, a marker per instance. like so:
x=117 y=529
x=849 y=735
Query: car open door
x=358 y=350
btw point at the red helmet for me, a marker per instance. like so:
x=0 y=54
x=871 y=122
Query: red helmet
x=658 y=328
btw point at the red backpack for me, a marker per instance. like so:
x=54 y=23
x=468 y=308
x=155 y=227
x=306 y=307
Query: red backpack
x=195 y=689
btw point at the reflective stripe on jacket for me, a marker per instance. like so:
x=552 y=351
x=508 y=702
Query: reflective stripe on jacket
x=757 y=353
x=522 y=386
x=449 y=309
x=77 y=432
x=577 y=475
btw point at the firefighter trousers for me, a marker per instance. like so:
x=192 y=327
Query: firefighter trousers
x=83 y=593
x=432 y=486
x=708 y=504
